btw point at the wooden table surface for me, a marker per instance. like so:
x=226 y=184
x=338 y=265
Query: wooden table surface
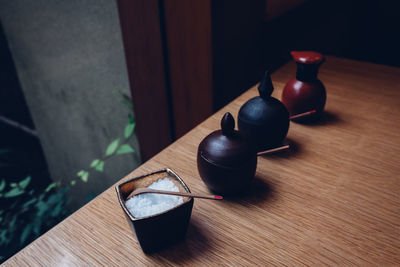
x=333 y=200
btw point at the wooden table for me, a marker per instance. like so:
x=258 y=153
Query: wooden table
x=334 y=200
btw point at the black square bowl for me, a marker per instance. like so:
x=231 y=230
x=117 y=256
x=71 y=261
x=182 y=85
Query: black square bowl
x=163 y=229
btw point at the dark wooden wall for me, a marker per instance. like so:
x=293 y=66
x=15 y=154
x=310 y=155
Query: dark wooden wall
x=238 y=47
x=188 y=58
x=140 y=25
x=189 y=55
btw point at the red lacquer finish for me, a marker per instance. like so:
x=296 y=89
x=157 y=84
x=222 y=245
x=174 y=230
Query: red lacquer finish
x=300 y=97
x=307 y=57
x=305 y=92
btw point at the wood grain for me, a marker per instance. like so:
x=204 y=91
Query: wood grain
x=333 y=201
x=188 y=39
x=140 y=26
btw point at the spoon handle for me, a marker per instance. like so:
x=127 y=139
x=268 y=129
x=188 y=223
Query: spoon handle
x=308 y=113
x=183 y=194
x=269 y=151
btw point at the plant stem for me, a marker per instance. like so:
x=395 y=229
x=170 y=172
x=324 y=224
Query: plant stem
x=18 y=126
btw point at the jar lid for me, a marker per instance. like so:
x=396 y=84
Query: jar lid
x=226 y=147
x=307 y=57
x=263 y=109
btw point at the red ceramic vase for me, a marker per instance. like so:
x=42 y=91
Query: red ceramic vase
x=305 y=92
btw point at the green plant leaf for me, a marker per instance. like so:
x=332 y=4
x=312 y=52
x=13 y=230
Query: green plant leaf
x=11 y=224
x=124 y=99
x=24 y=183
x=14 y=192
x=4 y=239
x=29 y=202
x=42 y=207
x=100 y=166
x=129 y=128
x=53 y=199
x=94 y=163
x=85 y=176
x=42 y=195
x=25 y=233
x=124 y=149
x=13 y=184
x=57 y=210
x=36 y=226
x=131 y=118
x=50 y=186
x=73 y=182
x=112 y=147
x=2 y=185
x=127 y=102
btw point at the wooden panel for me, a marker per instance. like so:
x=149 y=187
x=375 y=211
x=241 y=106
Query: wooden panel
x=275 y=8
x=188 y=40
x=140 y=25
x=333 y=201
x=239 y=45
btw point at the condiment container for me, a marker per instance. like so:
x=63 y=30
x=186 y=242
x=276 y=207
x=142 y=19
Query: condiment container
x=160 y=230
x=305 y=92
x=226 y=160
x=264 y=119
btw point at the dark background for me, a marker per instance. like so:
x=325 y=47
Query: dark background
x=24 y=154
x=245 y=42
x=248 y=43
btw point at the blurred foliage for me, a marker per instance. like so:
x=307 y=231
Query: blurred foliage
x=27 y=213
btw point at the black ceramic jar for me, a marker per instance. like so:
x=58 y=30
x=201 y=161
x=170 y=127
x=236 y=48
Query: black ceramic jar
x=264 y=119
x=226 y=160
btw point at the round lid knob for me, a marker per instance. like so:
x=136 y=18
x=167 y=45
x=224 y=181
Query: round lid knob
x=307 y=57
x=228 y=124
x=226 y=147
x=265 y=109
x=266 y=87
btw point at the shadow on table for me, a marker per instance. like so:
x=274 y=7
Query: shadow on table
x=258 y=191
x=194 y=245
x=327 y=117
x=295 y=148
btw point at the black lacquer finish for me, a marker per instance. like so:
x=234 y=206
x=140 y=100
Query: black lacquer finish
x=226 y=160
x=264 y=119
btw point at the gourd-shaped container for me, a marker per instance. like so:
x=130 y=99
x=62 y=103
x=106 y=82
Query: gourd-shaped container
x=226 y=160
x=264 y=119
x=305 y=92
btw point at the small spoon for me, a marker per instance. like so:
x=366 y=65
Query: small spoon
x=308 y=113
x=139 y=191
x=183 y=194
x=269 y=151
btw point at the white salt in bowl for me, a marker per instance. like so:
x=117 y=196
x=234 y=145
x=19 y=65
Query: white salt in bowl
x=165 y=228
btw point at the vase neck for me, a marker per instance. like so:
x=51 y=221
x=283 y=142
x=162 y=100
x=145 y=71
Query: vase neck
x=307 y=72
